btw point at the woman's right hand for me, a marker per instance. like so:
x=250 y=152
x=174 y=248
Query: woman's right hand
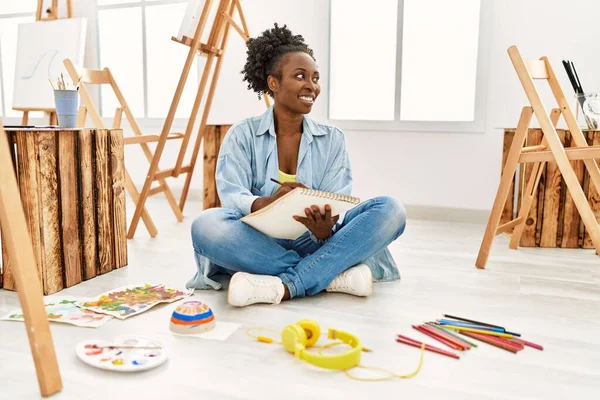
x=281 y=191
x=287 y=187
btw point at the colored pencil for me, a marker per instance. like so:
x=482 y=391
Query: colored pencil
x=472 y=321
x=493 y=341
x=453 y=338
x=438 y=338
x=461 y=345
x=474 y=326
x=535 y=346
x=511 y=342
x=468 y=325
x=453 y=333
x=526 y=343
x=416 y=343
x=481 y=331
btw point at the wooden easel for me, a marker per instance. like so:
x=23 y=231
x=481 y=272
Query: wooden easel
x=551 y=149
x=52 y=14
x=213 y=49
x=29 y=289
x=52 y=11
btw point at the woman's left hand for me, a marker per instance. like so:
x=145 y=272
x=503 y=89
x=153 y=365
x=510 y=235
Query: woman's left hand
x=319 y=224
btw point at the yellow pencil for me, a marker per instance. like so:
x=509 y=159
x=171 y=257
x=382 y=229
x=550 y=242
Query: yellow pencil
x=482 y=331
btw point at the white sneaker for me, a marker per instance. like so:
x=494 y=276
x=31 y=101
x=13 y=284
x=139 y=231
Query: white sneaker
x=246 y=289
x=357 y=281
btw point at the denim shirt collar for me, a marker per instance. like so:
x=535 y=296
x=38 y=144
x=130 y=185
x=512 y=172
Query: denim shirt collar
x=309 y=127
x=304 y=169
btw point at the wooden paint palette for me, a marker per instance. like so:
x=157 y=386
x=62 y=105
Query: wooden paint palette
x=123 y=354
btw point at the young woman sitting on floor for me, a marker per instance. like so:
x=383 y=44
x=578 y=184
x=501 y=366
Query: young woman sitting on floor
x=285 y=144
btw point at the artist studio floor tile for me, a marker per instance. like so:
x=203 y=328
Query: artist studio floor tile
x=551 y=296
x=561 y=288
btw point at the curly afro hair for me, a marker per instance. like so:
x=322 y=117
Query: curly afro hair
x=265 y=53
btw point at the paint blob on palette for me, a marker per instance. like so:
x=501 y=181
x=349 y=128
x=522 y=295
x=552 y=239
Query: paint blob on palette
x=124 y=354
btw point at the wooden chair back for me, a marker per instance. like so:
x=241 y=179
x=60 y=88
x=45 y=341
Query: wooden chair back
x=99 y=77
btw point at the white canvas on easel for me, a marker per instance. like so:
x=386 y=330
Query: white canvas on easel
x=192 y=15
x=87 y=9
x=41 y=48
x=190 y=19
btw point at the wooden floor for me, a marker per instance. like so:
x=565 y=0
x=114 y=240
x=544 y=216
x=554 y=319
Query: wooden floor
x=551 y=296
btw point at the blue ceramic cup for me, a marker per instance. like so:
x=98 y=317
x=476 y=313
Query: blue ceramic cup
x=66 y=107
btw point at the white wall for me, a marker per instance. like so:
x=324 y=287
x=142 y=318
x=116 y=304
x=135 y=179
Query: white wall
x=449 y=170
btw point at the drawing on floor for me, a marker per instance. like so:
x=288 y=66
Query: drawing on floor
x=65 y=310
x=130 y=300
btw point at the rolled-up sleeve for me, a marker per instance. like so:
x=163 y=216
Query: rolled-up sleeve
x=234 y=172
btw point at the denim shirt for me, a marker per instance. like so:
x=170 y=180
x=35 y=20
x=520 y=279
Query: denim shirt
x=248 y=160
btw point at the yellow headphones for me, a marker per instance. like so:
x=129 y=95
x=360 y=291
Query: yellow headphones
x=296 y=338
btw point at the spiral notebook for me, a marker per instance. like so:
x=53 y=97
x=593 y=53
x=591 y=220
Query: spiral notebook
x=276 y=219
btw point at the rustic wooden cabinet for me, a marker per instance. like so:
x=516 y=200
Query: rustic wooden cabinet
x=72 y=186
x=553 y=220
x=213 y=137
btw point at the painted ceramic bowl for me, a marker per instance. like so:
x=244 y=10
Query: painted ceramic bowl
x=192 y=317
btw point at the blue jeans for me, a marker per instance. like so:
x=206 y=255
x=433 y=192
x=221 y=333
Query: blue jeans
x=305 y=266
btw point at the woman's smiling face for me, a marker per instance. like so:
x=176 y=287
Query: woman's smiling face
x=299 y=85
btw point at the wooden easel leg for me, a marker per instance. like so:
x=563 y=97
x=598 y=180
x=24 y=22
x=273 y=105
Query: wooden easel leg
x=53 y=118
x=38 y=14
x=25 y=118
x=140 y=203
x=529 y=192
x=81 y=116
x=193 y=114
x=171 y=199
x=29 y=288
x=209 y=99
x=502 y=194
x=135 y=196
